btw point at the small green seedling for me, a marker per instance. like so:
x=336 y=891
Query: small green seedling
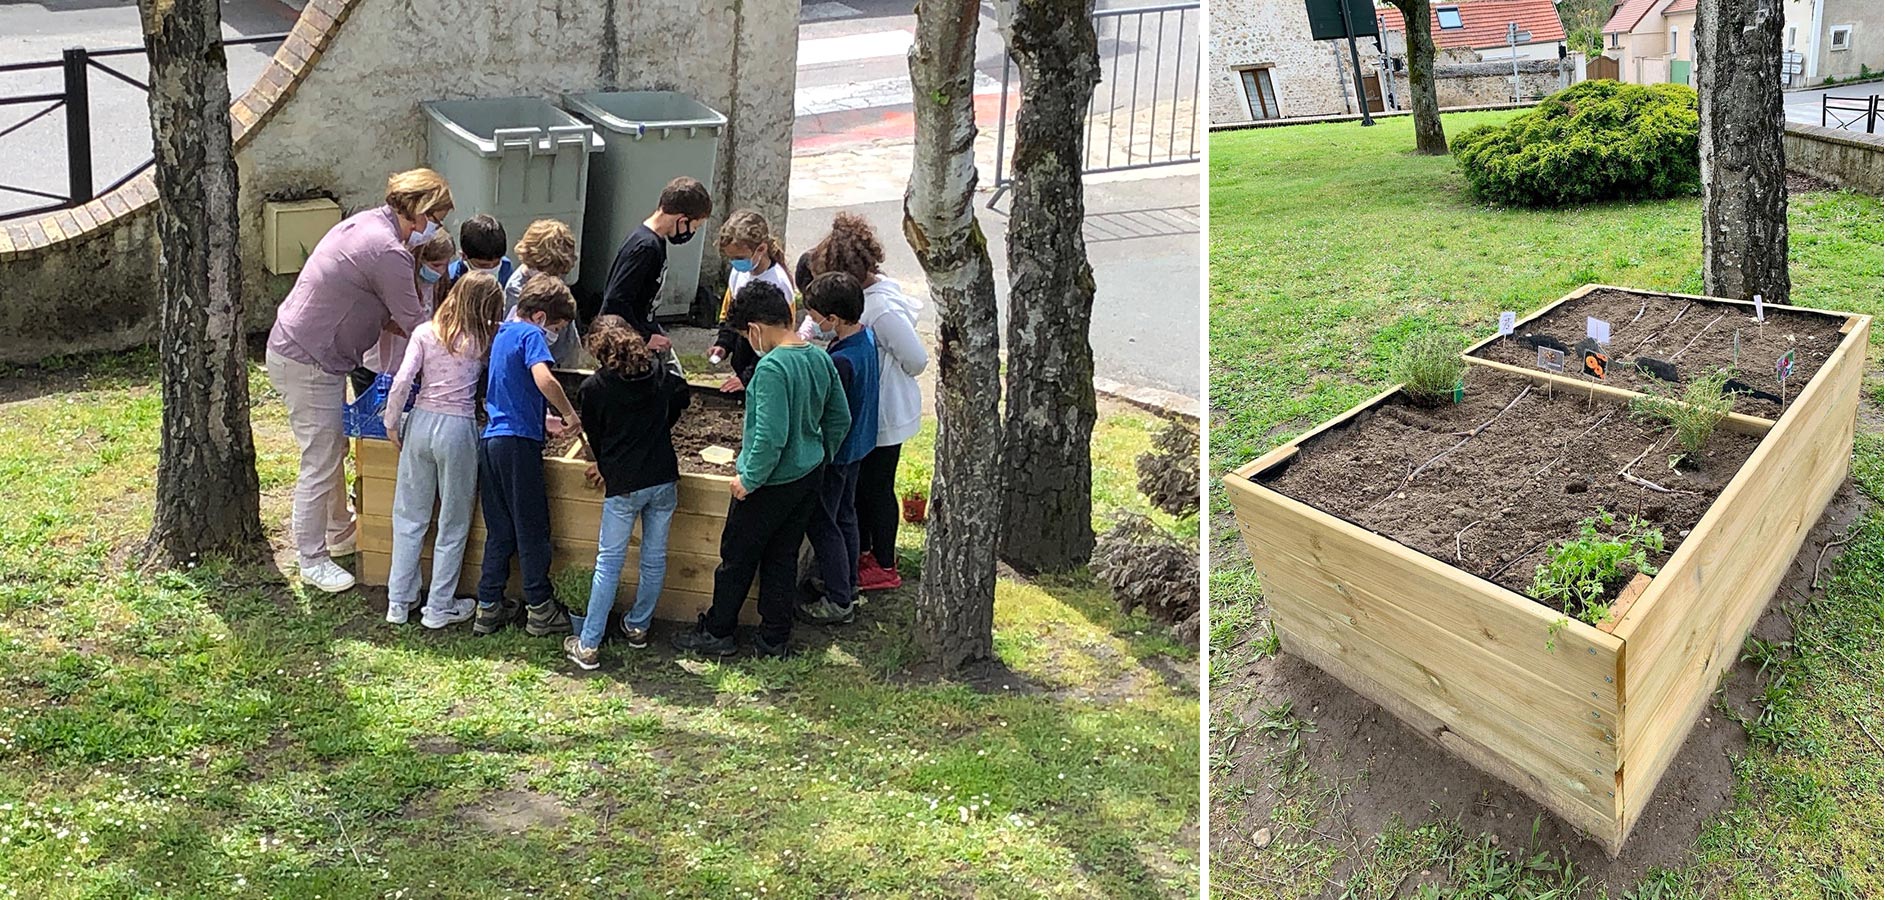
x=1579 y=573
x=1694 y=416
x=1430 y=369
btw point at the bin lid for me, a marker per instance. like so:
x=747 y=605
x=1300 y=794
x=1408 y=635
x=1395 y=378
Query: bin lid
x=491 y=125
x=640 y=112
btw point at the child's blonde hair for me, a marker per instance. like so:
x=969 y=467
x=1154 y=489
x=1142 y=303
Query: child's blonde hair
x=468 y=318
x=747 y=228
x=418 y=192
x=548 y=246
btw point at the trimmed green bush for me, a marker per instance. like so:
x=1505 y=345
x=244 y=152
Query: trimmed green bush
x=1593 y=141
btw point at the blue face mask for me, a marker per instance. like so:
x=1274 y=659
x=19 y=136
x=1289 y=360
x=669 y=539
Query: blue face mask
x=429 y=274
x=742 y=265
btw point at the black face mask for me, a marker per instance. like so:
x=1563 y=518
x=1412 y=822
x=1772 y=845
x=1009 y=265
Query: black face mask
x=682 y=237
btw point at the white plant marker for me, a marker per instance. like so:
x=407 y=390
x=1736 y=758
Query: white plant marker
x=1597 y=330
x=1760 y=309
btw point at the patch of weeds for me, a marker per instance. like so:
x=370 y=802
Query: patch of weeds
x=1480 y=870
x=1429 y=367
x=571 y=584
x=1694 y=417
x=1578 y=574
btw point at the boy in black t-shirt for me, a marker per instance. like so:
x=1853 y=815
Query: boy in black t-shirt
x=642 y=263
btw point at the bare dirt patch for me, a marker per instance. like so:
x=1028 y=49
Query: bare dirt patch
x=1495 y=505
x=511 y=811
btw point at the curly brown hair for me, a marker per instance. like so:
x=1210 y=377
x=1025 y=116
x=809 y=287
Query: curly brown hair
x=617 y=347
x=851 y=247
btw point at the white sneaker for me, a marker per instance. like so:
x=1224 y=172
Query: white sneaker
x=397 y=613
x=328 y=576
x=461 y=610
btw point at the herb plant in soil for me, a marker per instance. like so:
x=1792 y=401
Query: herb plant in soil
x=1579 y=573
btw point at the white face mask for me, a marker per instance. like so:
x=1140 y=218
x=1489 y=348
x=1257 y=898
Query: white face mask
x=491 y=271
x=425 y=234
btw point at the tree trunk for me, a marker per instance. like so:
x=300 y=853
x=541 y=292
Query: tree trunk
x=955 y=606
x=1744 y=169
x=1047 y=502
x=207 y=494
x=1429 y=136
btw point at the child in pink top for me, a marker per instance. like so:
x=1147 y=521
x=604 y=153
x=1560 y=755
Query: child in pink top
x=438 y=448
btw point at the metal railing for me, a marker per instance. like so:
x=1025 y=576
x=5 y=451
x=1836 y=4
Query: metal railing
x=74 y=97
x=1845 y=112
x=1155 y=122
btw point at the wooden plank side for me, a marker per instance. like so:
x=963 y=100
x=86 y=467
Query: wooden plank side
x=1351 y=566
x=1587 y=805
x=675 y=605
x=689 y=531
x=1577 y=387
x=1690 y=624
x=1450 y=666
x=689 y=571
x=563 y=478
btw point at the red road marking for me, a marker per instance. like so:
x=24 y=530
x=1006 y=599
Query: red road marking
x=859 y=126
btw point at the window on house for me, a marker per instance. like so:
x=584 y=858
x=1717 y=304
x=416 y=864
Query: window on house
x=1616 y=38
x=1792 y=30
x=1842 y=37
x=1260 y=94
x=1449 y=16
x=1672 y=41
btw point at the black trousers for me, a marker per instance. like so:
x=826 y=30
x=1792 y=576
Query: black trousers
x=833 y=532
x=516 y=518
x=762 y=537
x=877 y=510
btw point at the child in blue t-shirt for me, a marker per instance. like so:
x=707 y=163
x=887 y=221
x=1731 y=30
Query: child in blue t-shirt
x=510 y=459
x=834 y=301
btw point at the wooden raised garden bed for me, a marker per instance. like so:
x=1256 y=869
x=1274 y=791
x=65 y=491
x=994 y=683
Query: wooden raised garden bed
x=576 y=513
x=1413 y=591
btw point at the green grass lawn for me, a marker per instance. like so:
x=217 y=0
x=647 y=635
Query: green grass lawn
x=1330 y=245
x=214 y=732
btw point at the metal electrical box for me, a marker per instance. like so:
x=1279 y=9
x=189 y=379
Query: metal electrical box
x=291 y=228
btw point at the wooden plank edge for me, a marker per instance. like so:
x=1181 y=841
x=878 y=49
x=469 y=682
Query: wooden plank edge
x=1275 y=457
x=1740 y=423
x=1809 y=400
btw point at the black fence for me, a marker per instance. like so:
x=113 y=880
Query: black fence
x=1846 y=112
x=74 y=98
x=1144 y=112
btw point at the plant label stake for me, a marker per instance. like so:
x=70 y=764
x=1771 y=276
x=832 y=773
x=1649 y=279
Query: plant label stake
x=1597 y=330
x=1760 y=309
x=1595 y=360
x=1508 y=323
x=1735 y=359
x=1783 y=370
x=1550 y=359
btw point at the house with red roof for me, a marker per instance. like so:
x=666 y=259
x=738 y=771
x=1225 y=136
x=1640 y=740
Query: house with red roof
x=1487 y=27
x=1653 y=41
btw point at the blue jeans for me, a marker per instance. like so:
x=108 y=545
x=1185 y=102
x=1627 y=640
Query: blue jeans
x=655 y=507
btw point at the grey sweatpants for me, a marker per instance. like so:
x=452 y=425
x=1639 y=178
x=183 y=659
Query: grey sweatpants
x=438 y=459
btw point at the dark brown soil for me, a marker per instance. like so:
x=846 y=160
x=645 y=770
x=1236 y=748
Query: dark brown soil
x=1812 y=336
x=1493 y=506
x=712 y=419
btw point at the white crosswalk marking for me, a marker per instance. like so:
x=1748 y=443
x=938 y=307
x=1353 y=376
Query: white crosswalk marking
x=817 y=100
x=853 y=47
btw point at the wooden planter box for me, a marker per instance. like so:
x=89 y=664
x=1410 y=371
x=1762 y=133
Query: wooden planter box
x=1588 y=728
x=575 y=523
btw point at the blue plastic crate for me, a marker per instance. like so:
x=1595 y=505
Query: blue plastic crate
x=365 y=416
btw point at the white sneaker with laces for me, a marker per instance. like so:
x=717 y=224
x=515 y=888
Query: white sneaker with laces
x=328 y=576
x=397 y=613
x=461 y=610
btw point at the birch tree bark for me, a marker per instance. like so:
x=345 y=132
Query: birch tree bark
x=1047 y=501
x=955 y=605
x=207 y=492
x=1744 y=167
x=1429 y=135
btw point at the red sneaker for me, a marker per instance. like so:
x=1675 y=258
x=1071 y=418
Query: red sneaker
x=878 y=578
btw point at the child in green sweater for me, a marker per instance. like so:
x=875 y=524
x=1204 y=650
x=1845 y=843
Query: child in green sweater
x=796 y=420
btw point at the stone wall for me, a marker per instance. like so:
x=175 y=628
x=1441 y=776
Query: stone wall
x=1253 y=33
x=1852 y=160
x=337 y=111
x=1478 y=84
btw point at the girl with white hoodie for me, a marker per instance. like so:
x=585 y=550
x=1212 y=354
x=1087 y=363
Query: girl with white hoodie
x=852 y=247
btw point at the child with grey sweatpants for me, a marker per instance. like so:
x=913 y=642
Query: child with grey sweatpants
x=438 y=450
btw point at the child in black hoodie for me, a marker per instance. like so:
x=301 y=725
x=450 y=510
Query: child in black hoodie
x=628 y=408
